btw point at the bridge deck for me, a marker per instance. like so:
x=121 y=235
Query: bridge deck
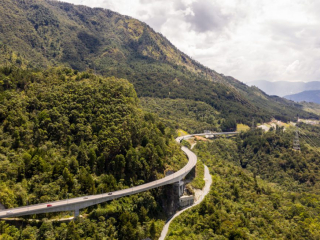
x=74 y=204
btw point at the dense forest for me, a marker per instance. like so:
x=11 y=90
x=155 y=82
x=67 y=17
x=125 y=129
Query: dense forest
x=270 y=155
x=192 y=116
x=65 y=134
x=261 y=189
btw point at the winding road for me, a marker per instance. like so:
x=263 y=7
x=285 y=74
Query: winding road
x=75 y=204
x=206 y=190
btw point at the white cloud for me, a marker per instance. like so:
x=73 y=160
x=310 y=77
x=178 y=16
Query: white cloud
x=293 y=67
x=247 y=39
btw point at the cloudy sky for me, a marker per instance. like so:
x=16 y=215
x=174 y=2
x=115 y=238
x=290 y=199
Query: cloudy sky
x=248 y=39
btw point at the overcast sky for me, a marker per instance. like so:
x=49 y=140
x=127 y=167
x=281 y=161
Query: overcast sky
x=248 y=39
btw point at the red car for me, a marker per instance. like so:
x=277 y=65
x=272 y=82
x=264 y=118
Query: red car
x=49 y=205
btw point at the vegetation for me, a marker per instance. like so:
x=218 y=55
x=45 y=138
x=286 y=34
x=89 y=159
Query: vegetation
x=309 y=135
x=181 y=132
x=50 y=33
x=242 y=127
x=241 y=205
x=131 y=217
x=270 y=156
x=66 y=134
x=198 y=181
x=311 y=107
x=193 y=116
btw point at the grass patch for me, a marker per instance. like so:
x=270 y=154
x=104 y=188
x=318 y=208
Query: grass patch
x=242 y=127
x=181 y=132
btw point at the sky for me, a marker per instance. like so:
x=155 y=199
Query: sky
x=274 y=40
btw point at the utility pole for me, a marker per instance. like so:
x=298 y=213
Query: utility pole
x=296 y=142
x=253 y=125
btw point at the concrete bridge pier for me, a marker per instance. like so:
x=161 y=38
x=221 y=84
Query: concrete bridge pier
x=76 y=212
x=180 y=186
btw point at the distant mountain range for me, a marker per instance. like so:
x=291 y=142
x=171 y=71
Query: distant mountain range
x=283 y=88
x=306 y=96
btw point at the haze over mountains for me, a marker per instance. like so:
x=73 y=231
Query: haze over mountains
x=283 y=88
x=307 y=96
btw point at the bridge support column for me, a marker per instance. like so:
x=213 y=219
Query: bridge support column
x=76 y=213
x=180 y=186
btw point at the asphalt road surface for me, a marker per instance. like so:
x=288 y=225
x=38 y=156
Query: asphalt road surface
x=75 y=204
x=205 y=190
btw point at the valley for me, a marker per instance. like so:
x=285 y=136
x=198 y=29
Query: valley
x=97 y=112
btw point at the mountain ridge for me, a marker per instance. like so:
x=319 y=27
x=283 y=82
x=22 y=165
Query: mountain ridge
x=305 y=96
x=52 y=33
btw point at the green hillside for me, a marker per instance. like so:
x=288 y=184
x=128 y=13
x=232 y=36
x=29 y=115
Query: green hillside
x=261 y=189
x=48 y=33
x=65 y=134
x=89 y=103
x=192 y=116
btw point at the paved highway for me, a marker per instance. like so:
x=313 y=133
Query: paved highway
x=75 y=204
x=205 y=191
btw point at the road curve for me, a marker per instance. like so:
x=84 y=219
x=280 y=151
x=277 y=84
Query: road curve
x=206 y=190
x=75 y=204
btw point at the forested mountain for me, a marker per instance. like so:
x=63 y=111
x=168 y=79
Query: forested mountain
x=39 y=33
x=72 y=80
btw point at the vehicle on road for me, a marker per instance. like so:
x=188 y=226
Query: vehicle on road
x=110 y=193
x=49 y=205
x=85 y=198
x=9 y=212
